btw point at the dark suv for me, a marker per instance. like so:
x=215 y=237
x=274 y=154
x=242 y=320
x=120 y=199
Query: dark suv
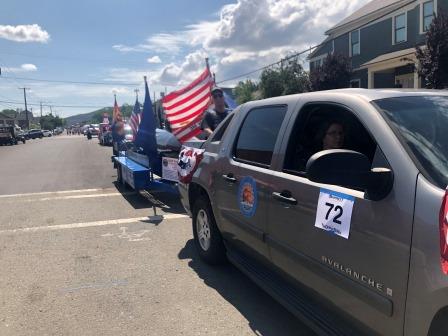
x=35 y=133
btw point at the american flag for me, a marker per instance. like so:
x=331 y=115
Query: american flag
x=184 y=108
x=136 y=115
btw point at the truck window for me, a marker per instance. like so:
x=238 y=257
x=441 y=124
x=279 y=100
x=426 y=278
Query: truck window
x=325 y=126
x=258 y=134
x=420 y=123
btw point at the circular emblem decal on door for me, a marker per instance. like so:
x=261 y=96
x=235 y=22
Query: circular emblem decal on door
x=247 y=196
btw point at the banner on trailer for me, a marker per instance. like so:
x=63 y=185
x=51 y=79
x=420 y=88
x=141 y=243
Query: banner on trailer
x=169 y=169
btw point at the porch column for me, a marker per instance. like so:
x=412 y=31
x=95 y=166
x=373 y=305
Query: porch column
x=370 y=81
x=416 y=81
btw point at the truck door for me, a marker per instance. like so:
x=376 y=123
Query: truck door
x=243 y=176
x=352 y=250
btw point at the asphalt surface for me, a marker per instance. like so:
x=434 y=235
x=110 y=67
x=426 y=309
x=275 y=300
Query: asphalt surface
x=80 y=256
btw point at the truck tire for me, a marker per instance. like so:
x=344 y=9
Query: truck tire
x=207 y=238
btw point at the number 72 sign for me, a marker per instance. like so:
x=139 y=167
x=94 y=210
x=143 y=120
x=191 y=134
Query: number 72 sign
x=334 y=212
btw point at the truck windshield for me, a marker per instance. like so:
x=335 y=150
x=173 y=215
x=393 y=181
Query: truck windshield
x=421 y=123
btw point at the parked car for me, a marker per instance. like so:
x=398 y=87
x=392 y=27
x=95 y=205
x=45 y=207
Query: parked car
x=352 y=239
x=34 y=133
x=21 y=136
x=94 y=129
x=47 y=133
x=84 y=129
x=7 y=135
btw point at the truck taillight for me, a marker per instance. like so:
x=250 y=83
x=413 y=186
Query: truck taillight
x=443 y=228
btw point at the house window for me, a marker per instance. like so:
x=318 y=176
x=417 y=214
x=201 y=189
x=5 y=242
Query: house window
x=354 y=42
x=428 y=14
x=400 y=28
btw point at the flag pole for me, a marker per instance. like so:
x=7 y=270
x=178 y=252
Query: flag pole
x=208 y=68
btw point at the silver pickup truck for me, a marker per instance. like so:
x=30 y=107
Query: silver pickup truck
x=334 y=202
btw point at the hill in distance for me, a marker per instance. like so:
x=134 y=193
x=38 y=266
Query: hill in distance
x=96 y=117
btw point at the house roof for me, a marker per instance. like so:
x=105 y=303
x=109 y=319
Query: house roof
x=5 y=117
x=369 y=9
x=389 y=56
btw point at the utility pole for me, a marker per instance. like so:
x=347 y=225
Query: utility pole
x=41 y=109
x=136 y=93
x=26 y=107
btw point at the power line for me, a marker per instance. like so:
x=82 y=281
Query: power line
x=269 y=65
x=65 y=106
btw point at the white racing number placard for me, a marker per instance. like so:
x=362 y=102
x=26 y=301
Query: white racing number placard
x=334 y=212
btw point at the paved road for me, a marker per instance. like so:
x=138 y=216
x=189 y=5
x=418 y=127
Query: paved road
x=57 y=163
x=81 y=257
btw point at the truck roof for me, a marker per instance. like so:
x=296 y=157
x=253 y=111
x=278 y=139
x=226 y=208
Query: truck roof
x=365 y=94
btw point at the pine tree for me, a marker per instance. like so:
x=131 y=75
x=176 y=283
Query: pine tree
x=433 y=57
x=334 y=73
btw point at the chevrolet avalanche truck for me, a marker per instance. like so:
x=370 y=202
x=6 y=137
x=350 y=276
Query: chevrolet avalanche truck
x=353 y=240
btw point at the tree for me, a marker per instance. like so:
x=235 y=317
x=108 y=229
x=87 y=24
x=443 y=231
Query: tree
x=433 y=57
x=50 y=122
x=244 y=91
x=288 y=78
x=334 y=73
x=9 y=112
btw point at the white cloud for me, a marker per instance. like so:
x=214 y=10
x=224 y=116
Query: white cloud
x=245 y=36
x=154 y=60
x=257 y=25
x=179 y=75
x=251 y=34
x=23 y=68
x=28 y=67
x=162 y=43
x=24 y=33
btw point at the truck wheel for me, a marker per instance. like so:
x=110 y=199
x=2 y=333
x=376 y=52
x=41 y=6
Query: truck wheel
x=207 y=238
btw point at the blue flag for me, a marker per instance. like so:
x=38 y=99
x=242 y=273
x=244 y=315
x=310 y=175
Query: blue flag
x=146 y=134
x=230 y=102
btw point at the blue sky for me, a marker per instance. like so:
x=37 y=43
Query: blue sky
x=120 y=41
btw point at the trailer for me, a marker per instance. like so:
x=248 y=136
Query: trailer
x=135 y=170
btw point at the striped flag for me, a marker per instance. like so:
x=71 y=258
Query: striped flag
x=184 y=108
x=117 y=123
x=134 y=121
x=116 y=116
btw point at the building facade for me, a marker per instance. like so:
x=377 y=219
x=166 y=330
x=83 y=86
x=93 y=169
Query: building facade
x=6 y=120
x=380 y=40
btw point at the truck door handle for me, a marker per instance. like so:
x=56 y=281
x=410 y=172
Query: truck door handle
x=229 y=178
x=284 y=197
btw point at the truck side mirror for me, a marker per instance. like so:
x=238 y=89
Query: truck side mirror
x=349 y=169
